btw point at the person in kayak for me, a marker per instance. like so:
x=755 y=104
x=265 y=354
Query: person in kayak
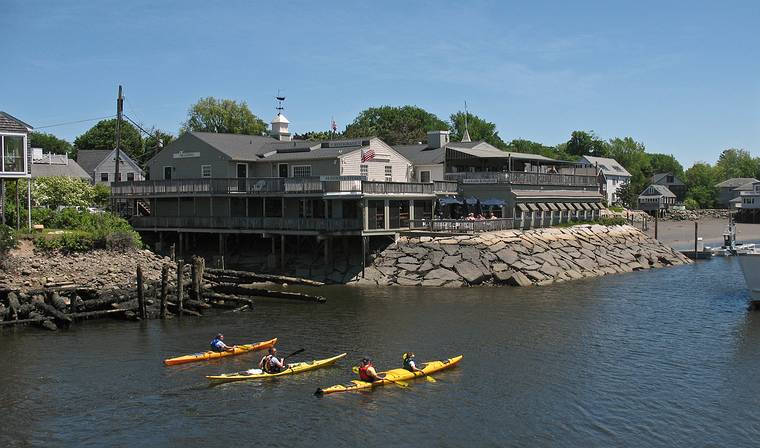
x=218 y=345
x=367 y=371
x=270 y=363
x=409 y=363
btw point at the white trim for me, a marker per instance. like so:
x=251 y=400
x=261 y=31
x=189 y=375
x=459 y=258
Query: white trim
x=210 y=171
x=123 y=156
x=25 y=155
x=237 y=165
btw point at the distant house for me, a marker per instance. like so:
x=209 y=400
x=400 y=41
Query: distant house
x=55 y=165
x=656 y=199
x=674 y=184
x=728 y=189
x=101 y=166
x=612 y=176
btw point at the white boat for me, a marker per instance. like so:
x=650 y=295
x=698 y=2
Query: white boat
x=750 y=263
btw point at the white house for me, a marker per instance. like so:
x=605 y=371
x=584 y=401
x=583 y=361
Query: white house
x=612 y=176
x=101 y=166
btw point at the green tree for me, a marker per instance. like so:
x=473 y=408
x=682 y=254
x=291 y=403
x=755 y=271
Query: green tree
x=632 y=155
x=50 y=143
x=53 y=192
x=700 y=182
x=531 y=147
x=628 y=195
x=583 y=143
x=152 y=144
x=103 y=136
x=395 y=125
x=318 y=135
x=665 y=163
x=223 y=116
x=735 y=163
x=478 y=128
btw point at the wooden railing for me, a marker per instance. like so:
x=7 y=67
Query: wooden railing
x=523 y=178
x=460 y=225
x=246 y=223
x=445 y=187
x=372 y=187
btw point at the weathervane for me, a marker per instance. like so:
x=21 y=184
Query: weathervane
x=280 y=99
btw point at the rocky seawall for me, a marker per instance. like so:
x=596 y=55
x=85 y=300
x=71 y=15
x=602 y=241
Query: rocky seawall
x=518 y=258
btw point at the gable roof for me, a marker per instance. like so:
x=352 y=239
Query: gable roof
x=89 y=159
x=55 y=167
x=736 y=182
x=659 y=190
x=607 y=166
x=237 y=146
x=123 y=156
x=749 y=186
x=421 y=154
x=662 y=177
x=12 y=124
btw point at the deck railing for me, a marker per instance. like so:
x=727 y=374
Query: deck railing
x=372 y=187
x=245 y=223
x=460 y=225
x=523 y=178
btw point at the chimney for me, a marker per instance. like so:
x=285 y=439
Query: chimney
x=437 y=139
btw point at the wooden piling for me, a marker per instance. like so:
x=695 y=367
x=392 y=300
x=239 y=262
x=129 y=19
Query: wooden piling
x=141 y=294
x=196 y=279
x=180 y=289
x=696 y=235
x=656 y=222
x=164 y=290
x=172 y=252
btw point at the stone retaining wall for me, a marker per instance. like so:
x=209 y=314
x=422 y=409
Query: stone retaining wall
x=519 y=258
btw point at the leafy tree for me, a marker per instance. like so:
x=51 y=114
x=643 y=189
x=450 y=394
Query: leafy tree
x=665 y=163
x=152 y=144
x=478 y=128
x=50 y=143
x=583 y=143
x=223 y=116
x=531 y=147
x=628 y=195
x=700 y=180
x=735 y=163
x=56 y=191
x=632 y=155
x=395 y=125
x=103 y=136
x=318 y=135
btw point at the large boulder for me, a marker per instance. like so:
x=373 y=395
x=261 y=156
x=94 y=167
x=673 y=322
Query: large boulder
x=471 y=273
x=508 y=256
x=441 y=274
x=450 y=261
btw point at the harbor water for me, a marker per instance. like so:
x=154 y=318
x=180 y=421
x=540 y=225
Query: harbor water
x=667 y=357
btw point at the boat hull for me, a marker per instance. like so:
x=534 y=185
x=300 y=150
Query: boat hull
x=294 y=368
x=393 y=375
x=750 y=264
x=209 y=355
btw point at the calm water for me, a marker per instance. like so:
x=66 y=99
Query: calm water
x=662 y=358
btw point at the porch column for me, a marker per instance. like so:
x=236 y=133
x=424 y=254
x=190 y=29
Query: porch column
x=386 y=215
x=365 y=214
x=29 y=203
x=2 y=201
x=264 y=207
x=411 y=211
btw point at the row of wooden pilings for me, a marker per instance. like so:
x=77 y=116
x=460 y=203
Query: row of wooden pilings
x=198 y=266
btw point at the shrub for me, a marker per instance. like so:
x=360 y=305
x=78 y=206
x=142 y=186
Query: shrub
x=72 y=241
x=616 y=208
x=85 y=231
x=120 y=240
x=611 y=221
x=691 y=204
x=8 y=239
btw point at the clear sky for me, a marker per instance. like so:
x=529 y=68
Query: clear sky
x=682 y=77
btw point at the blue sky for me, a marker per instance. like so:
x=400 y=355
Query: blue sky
x=682 y=77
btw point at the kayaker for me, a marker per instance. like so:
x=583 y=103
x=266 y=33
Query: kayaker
x=218 y=345
x=367 y=371
x=409 y=363
x=270 y=363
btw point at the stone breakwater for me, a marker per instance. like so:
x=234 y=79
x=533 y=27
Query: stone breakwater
x=518 y=258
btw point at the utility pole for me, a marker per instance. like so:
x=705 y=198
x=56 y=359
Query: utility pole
x=119 y=113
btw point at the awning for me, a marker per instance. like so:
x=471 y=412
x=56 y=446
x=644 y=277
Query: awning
x=552 y=206
x=597 y=205
x=472 y=200
x=586 y=206
x=543 y=206
x=533 y=207
x=576 y=206
x=493 y=202
x=449 y=201
x=522 y=207
x=561 y=206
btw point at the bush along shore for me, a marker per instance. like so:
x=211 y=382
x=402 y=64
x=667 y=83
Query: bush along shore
x=518 y=258
x=55 y=289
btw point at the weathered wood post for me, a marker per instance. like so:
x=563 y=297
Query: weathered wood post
x=141 y=294
x=656 y=222
x=164 y=290
x=180 y=289
x=172 y=253
x=195 y=270
x=18 y=209
x=696 y=234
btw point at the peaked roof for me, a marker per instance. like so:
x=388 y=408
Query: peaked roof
x=89 y=159
x=422 y=154
x=749 y=186
x=607 y=166
x=10 y=123
x=42 y=168
x=661 y=190
x=466 y=136
x=662 y=177
x=736 y=182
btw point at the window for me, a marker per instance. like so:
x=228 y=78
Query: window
x=130 y=177
x=425 y=176
x=104 y=177
x=13 y=153
x=364 y=170
x=205 y=170
x=389 y=173
x=301 y=170
x=671 y=179
x=282 y=170
x=167 y=173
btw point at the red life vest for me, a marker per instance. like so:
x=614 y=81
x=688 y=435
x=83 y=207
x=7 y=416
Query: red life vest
x=363 y=374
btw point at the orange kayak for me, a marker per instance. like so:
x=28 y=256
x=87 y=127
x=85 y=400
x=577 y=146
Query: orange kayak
x=209 y=355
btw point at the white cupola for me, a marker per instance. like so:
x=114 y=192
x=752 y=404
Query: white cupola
x=280 y=123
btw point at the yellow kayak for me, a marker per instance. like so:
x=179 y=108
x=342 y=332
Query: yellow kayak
x=208 y=355
x=395 y=375
x=256 y=374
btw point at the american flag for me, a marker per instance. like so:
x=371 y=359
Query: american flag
x=368 y=155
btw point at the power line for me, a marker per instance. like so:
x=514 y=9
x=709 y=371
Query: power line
x=73 y=122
